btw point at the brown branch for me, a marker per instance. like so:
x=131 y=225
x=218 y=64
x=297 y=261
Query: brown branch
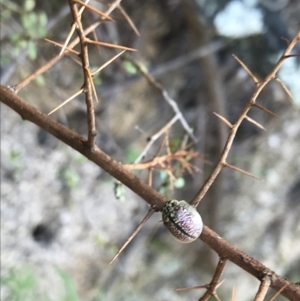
x=215 y=280
x=151 y=196
x=55 y=59
x=259 y=87
x=97 y=11
x=263 y=289
x=86 y=72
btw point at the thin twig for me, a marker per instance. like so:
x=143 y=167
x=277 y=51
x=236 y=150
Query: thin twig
x=252 y=102
x=263 y=289
x=87 y=81
x=72 y=29
x=154 y=137
x=215 y=280
x=55 y=59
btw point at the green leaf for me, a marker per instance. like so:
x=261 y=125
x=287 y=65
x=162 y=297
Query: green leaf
x=129 y=67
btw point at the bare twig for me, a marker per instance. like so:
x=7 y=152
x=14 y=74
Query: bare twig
x=215 y=280
x=252 y=102
x=263 y=289
x=154 y=137
x=73 y=27
x=87 y=80
x=55 y=59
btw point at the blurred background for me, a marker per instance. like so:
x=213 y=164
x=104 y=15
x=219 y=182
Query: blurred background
x=61 y=218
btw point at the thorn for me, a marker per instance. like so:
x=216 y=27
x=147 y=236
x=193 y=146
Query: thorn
x=290 y=55
x=123 y=12
x=66 y=101
x=223 y=119
x=109 y=45
x=61 y=45
x=68 y=39
x=95 y=10
x=92 y=83
x=188 y=288
x=142 y=223
x=265 y=109
x=247 y=69
x=285 y=39
x=107 y=63
x=278 y=293
x=284 y=87
x=255 y=122
x=242 y=171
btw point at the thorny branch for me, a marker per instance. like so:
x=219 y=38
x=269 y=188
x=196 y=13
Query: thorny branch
x=86 y=72
x=55 y=59
x=251 y=103
x=118 y=171
x=150 y=195
x=215 y=280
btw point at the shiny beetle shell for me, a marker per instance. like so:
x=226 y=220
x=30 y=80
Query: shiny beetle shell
x=182 y=220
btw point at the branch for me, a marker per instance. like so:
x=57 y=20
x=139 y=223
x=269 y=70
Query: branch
x=86 y=72
x=252 y=102
x=151 y=196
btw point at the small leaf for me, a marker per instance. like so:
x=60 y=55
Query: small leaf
x=129 y=67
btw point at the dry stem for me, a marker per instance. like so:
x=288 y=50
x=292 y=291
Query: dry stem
x=86 y=72
x=252 y=102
